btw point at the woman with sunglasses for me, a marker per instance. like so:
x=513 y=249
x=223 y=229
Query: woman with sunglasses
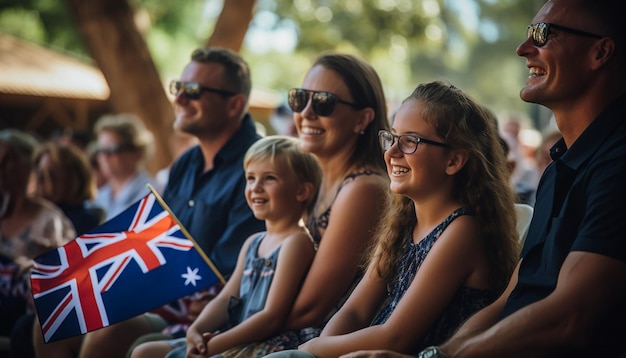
x=338 y=113
x=124 y=143
x=447 y=244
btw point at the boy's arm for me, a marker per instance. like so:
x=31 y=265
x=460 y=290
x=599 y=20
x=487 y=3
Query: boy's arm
x=294 y=259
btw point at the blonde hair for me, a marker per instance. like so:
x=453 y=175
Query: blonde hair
x=302 y=164
x=482 y=185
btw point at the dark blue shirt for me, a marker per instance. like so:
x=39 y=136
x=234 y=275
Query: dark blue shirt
x=579 y=207
x=212 y=205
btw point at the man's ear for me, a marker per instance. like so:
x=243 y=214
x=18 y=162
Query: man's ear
x=305 y=192
x=366 y=117
x=236 y=105
x=603 y=51
x=456 y=161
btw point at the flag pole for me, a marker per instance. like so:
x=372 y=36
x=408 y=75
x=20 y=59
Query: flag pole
x=187 y=235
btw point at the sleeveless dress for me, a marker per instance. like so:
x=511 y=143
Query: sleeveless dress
x=465 y=302
x=292 y=339
x=255 y=284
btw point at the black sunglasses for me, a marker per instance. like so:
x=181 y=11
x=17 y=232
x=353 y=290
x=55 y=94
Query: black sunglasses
x=323 y=102
x=193 y=90
x=407 y=143
x=540 y=31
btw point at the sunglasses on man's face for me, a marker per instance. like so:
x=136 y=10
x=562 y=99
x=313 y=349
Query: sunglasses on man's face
x=540 y=31
x=323 y=102
x=193 y=90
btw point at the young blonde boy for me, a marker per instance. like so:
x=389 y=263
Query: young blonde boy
x=282 y=185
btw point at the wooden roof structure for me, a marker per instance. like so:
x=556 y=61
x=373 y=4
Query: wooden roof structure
x=41 y=88
x=44 y=89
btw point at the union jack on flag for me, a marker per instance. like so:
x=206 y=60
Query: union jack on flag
x=133 y=263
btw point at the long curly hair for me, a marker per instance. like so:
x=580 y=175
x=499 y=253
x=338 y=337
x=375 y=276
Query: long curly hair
x=482 y=185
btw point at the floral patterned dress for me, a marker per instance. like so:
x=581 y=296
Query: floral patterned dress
x=466 y=300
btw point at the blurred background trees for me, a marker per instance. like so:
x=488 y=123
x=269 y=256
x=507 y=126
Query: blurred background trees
x=139 y=44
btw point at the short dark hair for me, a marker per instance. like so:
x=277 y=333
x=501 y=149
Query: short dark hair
x=236 y=70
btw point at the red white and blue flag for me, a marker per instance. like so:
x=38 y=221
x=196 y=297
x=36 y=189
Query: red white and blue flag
x=133 y=263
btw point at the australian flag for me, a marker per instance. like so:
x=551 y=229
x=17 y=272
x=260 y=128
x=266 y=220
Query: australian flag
x=133 y=263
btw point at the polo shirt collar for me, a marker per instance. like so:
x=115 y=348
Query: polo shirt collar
x=592 y=137
x=238 y=144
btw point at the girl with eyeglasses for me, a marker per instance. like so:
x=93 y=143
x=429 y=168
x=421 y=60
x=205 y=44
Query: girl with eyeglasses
x=447 y=244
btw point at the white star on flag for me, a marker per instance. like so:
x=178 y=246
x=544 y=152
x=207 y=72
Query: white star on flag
x=191 y=276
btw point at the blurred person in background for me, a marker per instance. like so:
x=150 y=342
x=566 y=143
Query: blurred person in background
x=525 y=174
x=282 y=121
x=124 y=144
x=64 y=177
x=29 y=226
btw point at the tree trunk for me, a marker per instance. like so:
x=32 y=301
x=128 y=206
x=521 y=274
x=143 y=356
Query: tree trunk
x=113 y=40
x=232 y=24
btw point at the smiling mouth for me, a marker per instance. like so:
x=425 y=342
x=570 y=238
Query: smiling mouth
x=399 y=170
x=536 y=72
x=311 y=131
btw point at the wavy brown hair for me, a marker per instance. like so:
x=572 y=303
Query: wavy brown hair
x=482 y=185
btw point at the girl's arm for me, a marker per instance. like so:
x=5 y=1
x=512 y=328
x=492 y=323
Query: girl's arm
x=215 y=314
x=353 y=219
x=361 y=306
x=449 y=264
x=294 y=259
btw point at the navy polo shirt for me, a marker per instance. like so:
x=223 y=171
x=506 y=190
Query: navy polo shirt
x=212 y=205
x=580 y=206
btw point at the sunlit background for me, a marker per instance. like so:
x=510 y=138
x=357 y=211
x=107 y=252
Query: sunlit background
x=470 y=43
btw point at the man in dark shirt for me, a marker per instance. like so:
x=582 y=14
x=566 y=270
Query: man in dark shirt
x=206 y=185
x=567 y=296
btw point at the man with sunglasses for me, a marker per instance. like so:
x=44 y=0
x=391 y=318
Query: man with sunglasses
x=205 y=189
x=206 y=185
x=567 y=296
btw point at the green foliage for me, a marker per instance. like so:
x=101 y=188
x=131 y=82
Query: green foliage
x=468 y=42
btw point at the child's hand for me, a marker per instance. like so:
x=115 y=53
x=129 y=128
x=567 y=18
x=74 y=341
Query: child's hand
x=198 y=345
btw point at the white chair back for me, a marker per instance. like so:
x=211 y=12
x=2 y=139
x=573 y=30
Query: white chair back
x=524 y=214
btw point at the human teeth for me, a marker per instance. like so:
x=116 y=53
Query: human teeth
x=399 y=170
x=535 y=71
x=309 y=130
x=258 y=201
